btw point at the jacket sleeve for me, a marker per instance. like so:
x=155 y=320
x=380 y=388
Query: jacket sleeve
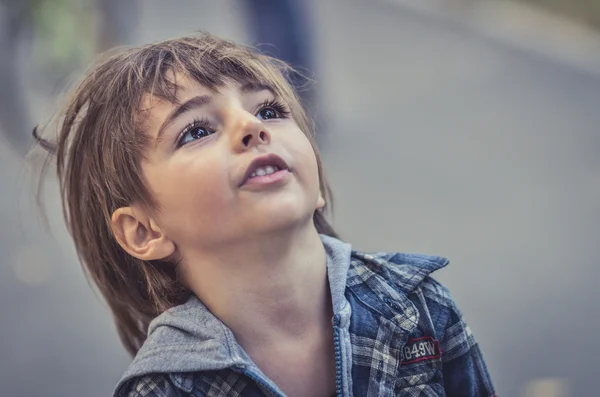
x=465 y=372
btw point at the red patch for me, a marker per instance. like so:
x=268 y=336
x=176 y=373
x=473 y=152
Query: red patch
x=420 y=349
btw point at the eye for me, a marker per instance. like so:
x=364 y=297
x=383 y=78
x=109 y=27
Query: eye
x=198 y=129
x=272 y=109
x=267 y=113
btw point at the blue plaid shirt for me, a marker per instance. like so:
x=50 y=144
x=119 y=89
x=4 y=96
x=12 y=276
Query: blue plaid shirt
x=400 y=334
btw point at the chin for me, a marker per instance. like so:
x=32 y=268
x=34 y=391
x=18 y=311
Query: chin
x=283 y=216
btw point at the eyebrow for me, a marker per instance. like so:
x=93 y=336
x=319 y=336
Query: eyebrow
x=256 y=87
x=192 y=103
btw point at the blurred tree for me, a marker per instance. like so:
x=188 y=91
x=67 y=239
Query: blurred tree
x=15 y=21
x=63 y=35
x=587 y=11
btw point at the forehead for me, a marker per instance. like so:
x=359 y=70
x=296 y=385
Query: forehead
x=185 y=87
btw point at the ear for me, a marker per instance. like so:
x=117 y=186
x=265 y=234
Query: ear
x=139 y=235
x=320 y=201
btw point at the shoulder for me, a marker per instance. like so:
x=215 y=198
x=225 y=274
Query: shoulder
x=405 y=271
x=152 y=385
x=437 y=293
x=411 y=275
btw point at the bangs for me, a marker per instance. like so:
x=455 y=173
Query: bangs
x=211 y=63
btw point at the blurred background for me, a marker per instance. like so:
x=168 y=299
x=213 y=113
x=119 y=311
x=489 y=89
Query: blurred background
x=462 y=128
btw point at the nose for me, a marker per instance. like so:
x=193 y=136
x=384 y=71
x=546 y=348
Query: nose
x=247 y=130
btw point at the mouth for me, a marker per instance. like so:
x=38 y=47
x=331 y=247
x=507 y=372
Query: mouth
x=264 y=165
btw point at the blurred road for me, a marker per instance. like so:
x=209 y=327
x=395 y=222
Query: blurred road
x=440 y=140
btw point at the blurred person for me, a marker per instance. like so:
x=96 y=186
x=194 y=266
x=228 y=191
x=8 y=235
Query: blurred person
x=197 y=201
x=283 y=29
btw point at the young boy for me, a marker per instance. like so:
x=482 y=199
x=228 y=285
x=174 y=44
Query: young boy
x=196 y=200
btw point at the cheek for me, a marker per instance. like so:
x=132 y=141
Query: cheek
x=304 y=156
x=189 y=195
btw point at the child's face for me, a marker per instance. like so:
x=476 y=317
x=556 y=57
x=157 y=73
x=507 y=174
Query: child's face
x=198 y=164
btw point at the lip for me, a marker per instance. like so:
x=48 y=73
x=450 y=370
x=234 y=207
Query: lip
x=264 y=160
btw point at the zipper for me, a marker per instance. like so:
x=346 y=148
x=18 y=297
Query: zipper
x=337 y=347
x=338 y=356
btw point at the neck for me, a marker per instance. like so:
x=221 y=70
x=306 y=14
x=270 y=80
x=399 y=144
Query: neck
x=269 y=288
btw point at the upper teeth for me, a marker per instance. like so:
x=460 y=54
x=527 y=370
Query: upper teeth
x=266 y=170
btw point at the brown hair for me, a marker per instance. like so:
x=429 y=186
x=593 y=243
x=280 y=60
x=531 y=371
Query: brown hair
x=99 y=147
